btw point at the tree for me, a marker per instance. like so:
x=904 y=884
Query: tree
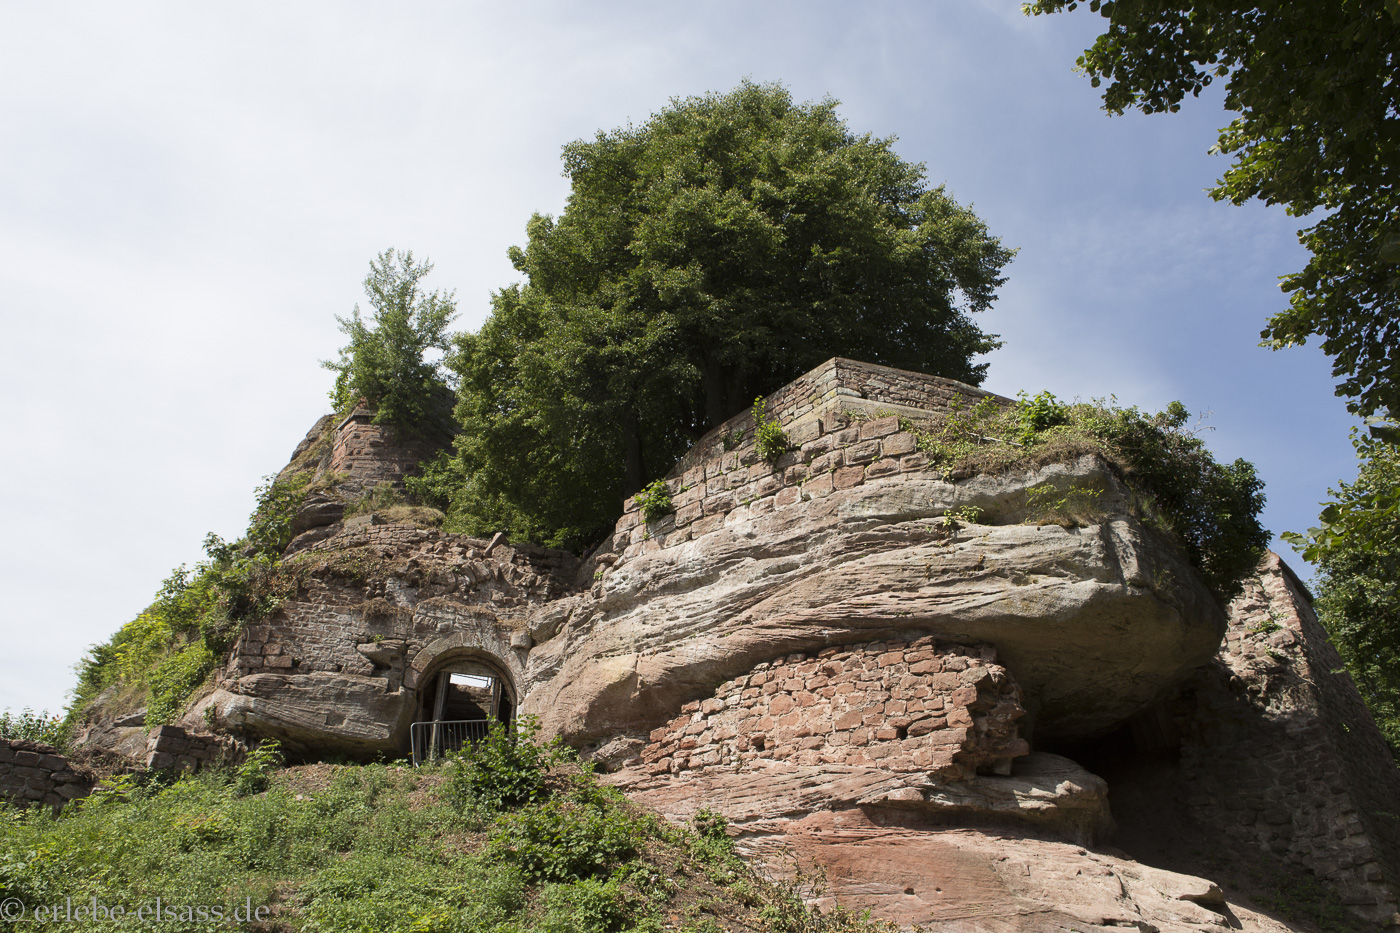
x=1357 y=549
x=386 y=364
x=1313 y=82
x=708 y=256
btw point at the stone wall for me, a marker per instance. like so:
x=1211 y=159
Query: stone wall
x=369 y=454
x=842 y=386
x=898 y=706
x=178 y=747
x=1280 y=753
x=375 y=607
x=832 y=452
x=32 y=773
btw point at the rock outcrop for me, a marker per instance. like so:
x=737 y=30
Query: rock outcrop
x=925 y=687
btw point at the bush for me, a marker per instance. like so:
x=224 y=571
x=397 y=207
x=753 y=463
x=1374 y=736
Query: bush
x=30 y=726
x=255 y=774
x=655 y=501
x=566 y=839
x=505 y=770
x=770 y=441
x=173 y=679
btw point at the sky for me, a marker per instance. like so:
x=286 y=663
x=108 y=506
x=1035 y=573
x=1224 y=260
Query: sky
x=191 y=193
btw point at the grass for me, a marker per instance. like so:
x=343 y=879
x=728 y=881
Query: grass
x=386 y=847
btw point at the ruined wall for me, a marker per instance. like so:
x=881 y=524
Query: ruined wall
x=833 y=452
x=842 y=385
x=31 y=773
x=1281 y=754
x=370 y=454
x=899 y=706
x=177 y=747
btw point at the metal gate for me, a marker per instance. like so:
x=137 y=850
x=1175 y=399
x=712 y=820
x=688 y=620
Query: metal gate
x=433 y=740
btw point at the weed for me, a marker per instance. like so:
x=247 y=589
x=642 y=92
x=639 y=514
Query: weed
x=253 y=776
x=655 y=500
x=770 y=441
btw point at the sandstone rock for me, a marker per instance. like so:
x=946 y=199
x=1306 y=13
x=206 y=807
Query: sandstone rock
x=964 y=880
x=1094 y=622
x=357 y=713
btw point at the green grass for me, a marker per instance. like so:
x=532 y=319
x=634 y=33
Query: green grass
x=389 y=848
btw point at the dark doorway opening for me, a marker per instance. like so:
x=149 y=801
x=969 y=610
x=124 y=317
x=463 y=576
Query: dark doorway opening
x=458 y=706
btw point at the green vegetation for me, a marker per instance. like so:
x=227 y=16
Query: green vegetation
x=31 y=726
x=1210 y=509
x=1318 y=131
x=655 y=500
x=1357 y=550
x=769 y=440
x=386 y=364
x=711 y=254
x=1318 y=128
x=509 y=838
x=160 y=658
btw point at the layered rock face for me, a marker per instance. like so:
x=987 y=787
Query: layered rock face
x=863 y=665
x=1095 y=622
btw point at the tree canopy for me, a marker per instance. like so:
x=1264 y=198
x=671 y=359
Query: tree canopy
x=707 y=256
x=1314 y=84
x=386 y=364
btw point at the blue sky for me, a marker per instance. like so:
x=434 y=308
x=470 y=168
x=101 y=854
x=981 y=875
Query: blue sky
x=189 y=194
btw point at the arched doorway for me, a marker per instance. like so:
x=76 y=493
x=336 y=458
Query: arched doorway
x=458 y=700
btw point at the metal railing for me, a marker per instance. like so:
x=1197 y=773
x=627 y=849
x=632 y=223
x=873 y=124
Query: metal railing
x=435 y=738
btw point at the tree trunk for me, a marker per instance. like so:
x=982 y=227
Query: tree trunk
x=632 y=437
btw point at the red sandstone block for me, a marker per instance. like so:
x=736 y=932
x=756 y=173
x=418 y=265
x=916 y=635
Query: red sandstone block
x=881 y=468
x=912 y=463
x=712 y=705
x=847 y=437
x=781 y=703
x=959 y=717
x=846 y=477
x=896 y=445
x=815 y=448
x=825 y=463
x=692 y=707
x=880 y=427
x=890 y=658
x=819 y=486
x=863 y=452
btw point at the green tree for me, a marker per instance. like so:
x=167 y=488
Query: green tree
x=1313 y=82
x=707 y=256
x=1357 y=549
x=385 y=364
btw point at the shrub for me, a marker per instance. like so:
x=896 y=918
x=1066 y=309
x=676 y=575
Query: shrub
x=655 y=500
x=173 y=679
x=770 y=441
x=30 y=726
x=565 y=839
x=254 y=775
x=506 y=769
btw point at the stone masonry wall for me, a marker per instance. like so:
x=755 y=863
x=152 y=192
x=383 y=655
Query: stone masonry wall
x=370 y=454
x=376 y=594
x=1280 y=752
x=32 y=773
x=842 y=385
x=833 y=452
x=177 y=747
x=899 y=706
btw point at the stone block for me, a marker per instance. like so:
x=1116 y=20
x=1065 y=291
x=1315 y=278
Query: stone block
x=863 y=452
x=881 y=468
x=896 y=445
x=880 y=427
x=819 y=486
x=846 y=477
